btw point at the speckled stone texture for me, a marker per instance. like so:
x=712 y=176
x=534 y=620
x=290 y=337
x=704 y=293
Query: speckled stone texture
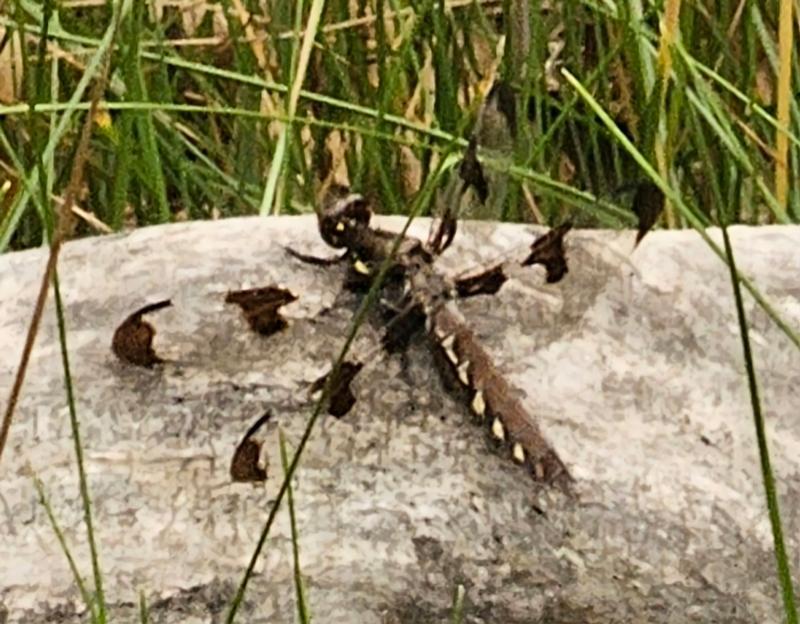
x=633 y=363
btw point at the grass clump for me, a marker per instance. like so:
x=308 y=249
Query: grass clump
x=222 y=109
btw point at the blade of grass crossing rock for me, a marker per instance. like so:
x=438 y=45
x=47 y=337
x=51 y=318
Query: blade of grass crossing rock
x=299 y=588
x=45 y=502
x=784 y=572
x=678 y=202
x=422 y=200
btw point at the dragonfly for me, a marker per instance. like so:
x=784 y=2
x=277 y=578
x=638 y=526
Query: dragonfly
x=417 y=299
x=424 y=300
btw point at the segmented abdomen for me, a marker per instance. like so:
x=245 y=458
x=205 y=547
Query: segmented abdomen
x=491 y=397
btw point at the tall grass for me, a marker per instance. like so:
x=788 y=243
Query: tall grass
x=233 y=108
x=391 y=83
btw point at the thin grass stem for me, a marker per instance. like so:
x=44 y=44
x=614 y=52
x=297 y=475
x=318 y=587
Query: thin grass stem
x=422 y=200
x=300 y=594
x=767 y=476
x=45 y=502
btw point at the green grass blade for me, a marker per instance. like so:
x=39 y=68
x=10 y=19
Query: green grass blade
x=86 y=500
x=122 y=170
x=28 y=180
x=44 y=502
x=678 y=202
x=457 y=610
x=36 y=94
x=268 y=203
x=93 y=67
x=422 y=200
x=446 y=104
x=782 y=561
x=300 y=594
x=255 y=81
x=712 y=111
x=136 y=89
x=143 y=617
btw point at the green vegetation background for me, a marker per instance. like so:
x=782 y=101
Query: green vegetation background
x=190 y=123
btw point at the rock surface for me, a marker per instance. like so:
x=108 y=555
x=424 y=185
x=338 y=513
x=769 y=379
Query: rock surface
x=633 y=363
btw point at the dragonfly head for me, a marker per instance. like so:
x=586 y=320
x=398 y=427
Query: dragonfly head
x=342 y=216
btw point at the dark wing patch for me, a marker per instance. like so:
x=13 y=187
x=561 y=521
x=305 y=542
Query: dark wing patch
x=486 y=283
x=341 y=399
x=471 y=171
x=648 y=203
x=245 y=465
x=548 y=250
x=401 y=328
x=261 y=307
x=133 y=339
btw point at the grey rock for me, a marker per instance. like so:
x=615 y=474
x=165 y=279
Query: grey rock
x=633 y=363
